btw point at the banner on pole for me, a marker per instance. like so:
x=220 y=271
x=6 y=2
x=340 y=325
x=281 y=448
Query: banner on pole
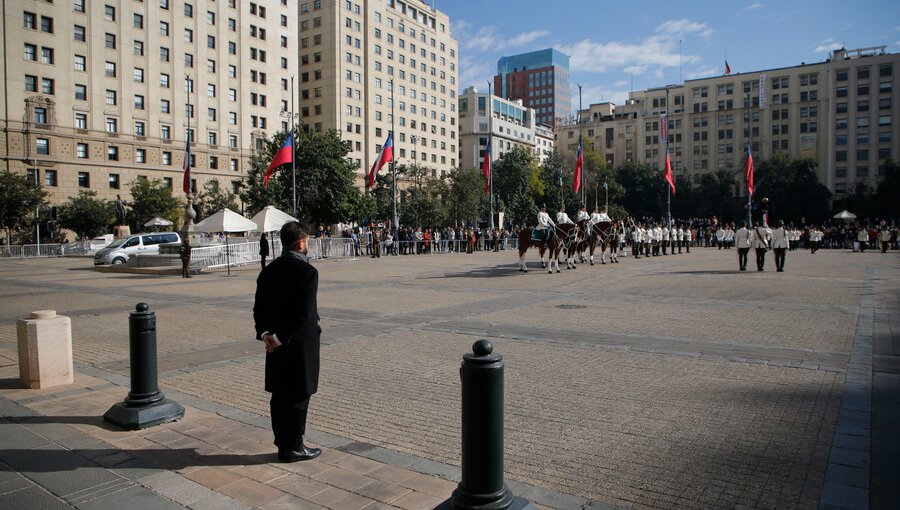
x=763 y=96
x=663 y=127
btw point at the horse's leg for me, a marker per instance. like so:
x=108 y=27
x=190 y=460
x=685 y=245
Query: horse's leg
x=592 y=245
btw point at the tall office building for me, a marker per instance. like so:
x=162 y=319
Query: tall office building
x=99 y=93
x=839 y=113
x=541 y=80
x=356 y=57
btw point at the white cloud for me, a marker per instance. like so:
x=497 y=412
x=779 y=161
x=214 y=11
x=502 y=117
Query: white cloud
x=752 y=7
x=475 y=72
x=704 y=72
x=649 y=54
x=488 y=38
x=828 y=45
x=593 y=94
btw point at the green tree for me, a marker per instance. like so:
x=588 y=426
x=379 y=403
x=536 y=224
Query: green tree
x=715 y=197
x=87 y=216
x=466 y=199
x=149 y=199
x=213 y=198
x=793 y=190
x=645 y=190
x=885 y=200
x=19 y=197
x=514 y=184
x=325 y=191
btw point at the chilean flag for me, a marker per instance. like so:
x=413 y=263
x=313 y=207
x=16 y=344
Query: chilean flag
x=386 y=155
x=187 y=168
x=727 y=68
x=749 y=171
x=579 y=163
x=669 y=177
x=284 y=155
x=486 y=169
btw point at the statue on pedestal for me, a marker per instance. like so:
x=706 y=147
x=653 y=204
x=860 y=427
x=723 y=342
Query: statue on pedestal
x=120 y=210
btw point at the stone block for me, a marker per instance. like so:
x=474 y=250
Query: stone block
x=45 y=350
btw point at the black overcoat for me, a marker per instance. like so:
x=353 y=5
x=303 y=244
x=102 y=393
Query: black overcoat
x=286 y=305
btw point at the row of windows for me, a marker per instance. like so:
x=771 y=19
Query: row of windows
x=862 y=89
x=863 y=73
x=82 y=151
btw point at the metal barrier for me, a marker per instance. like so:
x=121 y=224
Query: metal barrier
x=444 y=246
x=238 y=254
x=14 y=251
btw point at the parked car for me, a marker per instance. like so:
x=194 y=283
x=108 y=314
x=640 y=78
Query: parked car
x=121 y=249
x=100 y=242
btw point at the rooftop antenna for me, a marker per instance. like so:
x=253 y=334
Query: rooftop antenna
x=680 y=66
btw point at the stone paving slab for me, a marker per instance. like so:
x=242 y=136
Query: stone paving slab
x=703 y=387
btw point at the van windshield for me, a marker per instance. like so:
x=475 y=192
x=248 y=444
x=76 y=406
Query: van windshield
x=117 y=243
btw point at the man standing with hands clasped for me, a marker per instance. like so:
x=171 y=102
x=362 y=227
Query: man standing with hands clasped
x=287 y=320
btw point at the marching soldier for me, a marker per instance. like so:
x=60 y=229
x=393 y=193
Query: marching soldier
x=884 y=237
x=687 y=238
x=762 y=236
x=637 y=240
x=780 y=245
x=646 y=237
x=815 y=237
x=679 y=237
x=862 y=237
x=742 y=240
x=664 y=239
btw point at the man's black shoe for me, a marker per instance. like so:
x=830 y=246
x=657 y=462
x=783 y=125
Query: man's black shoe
x=302 y=453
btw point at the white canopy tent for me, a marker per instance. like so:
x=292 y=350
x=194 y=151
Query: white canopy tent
x=158 y=222
x=271 y=219
x=226 y=221
x=845 y=215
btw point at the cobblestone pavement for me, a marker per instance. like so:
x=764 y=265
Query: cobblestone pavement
x=666 y=382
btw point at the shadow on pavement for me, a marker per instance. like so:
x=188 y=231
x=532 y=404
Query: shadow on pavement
x=11 y=384
x=485 y=272
x=47 y=461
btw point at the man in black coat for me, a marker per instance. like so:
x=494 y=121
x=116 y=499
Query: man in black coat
x=263 y=249
x=287 y=320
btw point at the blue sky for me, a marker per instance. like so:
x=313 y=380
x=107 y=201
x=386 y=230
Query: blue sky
x=612 y=44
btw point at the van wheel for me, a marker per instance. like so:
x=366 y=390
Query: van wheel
x=118 y=260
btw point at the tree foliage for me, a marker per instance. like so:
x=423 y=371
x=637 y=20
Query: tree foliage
x=515 y=184
x=87 y=216
x=879 y=203
x=213 y=198
x=793 y=190
x=149 y=199
x=644 y=190
x=467 y=201
x=325 y=191
x=19 y=197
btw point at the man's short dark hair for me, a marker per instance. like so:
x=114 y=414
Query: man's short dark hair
x=292 y=232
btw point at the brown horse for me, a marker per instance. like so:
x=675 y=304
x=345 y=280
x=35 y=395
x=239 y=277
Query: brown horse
x=553 y=245
x=601 y=234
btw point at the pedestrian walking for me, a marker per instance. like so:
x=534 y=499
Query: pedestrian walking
x=286 y=318
x=184 y=251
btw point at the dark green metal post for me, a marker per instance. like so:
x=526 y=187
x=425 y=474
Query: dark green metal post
x=145 y=405
x=482 y=485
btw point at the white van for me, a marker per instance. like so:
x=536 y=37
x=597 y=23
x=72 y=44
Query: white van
x=120 y=249
x=100 y=242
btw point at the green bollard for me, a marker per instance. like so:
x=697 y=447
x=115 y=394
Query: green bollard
x=145 y=405
x=482 y=486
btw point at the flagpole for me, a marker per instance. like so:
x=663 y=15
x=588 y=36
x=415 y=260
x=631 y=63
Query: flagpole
x=187 y=134
x=394 y=231
x=293 y=151
x=749 y=193
x=581 y=142
x=489 y=156
x=668 y=188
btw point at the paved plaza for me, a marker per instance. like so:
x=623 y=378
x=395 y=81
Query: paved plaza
x=668 y=382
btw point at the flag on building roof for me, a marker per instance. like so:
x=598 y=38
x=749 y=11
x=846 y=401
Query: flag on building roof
x=284 y=155
x=668 y=175
x=486 y=169
x=579 y=164
x=386 y=155
x=727 y=68
x=187 y=167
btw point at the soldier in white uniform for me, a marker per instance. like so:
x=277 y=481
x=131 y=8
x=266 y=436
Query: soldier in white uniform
x=583 y=214
x=595 y=217
x=762 y=236
x=862 y=236
x=679 y=236
x=742 y=240
x=674 y=239
x=687 y=239
x=780 y=245
x=884 y=237
x=664 y=239
x=815 y=237
x=561 y=217
x=544 y=223
x=637 y=240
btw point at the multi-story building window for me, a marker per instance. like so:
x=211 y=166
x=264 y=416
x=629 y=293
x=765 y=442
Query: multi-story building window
x=111 y=97
x=109 y=13
x=112 y=125
x=30 y=83
x=47 y=24
x=42 y=146
x=109 y=40
x=80 y=120
x=40 y=115
x=167 y=158
x=138 y=102
x=50 y=178
x=112 y=153
x=163 y=54
x=30 y=52
x=78 y=33
x=84 y=180
x=140 y=155
x=140 y=128
x=48 y=86
x=110 y=68
x=138 y=49
x=81 y=151
x=113 y=181
x=165 y=132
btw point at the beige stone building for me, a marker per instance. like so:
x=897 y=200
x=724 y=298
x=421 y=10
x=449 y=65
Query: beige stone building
x=369 y=67
x=98 y=93
x=509 y=123
x=839 y=112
